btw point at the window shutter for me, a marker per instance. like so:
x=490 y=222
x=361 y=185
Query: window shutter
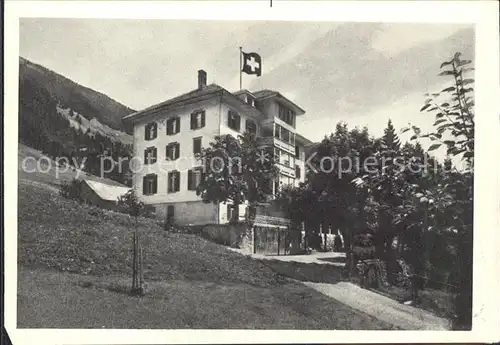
x=178 y=124
x=178 y=150
x=146 y=132
x=169 y=127
x=193 y=118
x=203 y=119
x=196 y=145
x=238 y=122
x=146 y=156
x=169 y=182
x=155 y=184
x=178 y=181
x=154 y=155
x=144 y=186
x=190 y=180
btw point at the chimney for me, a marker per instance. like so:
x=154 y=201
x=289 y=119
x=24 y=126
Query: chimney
x=202 y=79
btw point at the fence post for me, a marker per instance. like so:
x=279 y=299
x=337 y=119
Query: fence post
x=134 y=256
x=141 y=278
x=286 y=240
x=279 y=236
x=254 y=239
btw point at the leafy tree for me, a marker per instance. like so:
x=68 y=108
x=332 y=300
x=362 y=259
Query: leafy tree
x=131 y=204
x=297 y=202
x=454 y=111
x=455 y=118
x=300 y=206
x=337 y=160
x=236 y=170
x=454 y=128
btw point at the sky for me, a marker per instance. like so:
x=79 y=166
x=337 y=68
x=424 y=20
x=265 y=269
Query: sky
x=360 y=73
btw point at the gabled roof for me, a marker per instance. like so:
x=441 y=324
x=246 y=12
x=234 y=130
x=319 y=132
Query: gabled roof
x=239 y=92
x=265 y=94
x=303 y=140
x=106 y=191
x=207 y=90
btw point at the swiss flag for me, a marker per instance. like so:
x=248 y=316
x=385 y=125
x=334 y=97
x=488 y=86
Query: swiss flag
x=252 y=63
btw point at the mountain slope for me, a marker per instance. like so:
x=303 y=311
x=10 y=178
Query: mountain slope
x=63 y=120
x=87 y=102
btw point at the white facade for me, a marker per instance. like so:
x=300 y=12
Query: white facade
x=216 y=103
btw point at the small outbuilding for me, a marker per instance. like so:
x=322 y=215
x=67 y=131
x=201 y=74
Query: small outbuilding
x=101 y=194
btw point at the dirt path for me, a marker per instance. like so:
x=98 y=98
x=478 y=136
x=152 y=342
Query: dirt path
x=328 y=258
x=381 y=307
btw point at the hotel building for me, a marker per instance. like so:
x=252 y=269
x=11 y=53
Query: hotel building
x=169 y=134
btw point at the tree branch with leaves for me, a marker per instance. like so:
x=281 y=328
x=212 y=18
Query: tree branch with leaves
x=236 y=170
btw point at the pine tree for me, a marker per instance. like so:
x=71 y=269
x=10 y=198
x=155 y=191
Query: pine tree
x=390 y=139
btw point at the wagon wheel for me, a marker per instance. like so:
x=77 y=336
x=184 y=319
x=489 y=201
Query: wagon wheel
x=371 y=277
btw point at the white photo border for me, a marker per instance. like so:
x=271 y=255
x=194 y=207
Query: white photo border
x=484 y=14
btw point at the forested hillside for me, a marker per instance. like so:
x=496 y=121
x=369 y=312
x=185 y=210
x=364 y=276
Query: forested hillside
x=91 y=104
x=62 y=119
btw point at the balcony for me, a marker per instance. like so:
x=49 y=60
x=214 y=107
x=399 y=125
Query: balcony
x=272 y=141
x=269 y=123
x=286 y=170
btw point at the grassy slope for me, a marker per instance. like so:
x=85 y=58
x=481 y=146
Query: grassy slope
x=190 y=282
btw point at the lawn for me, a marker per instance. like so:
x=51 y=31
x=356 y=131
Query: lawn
x=74 y=268
x=51 y=299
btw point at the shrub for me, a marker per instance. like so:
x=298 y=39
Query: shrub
x=71 y=190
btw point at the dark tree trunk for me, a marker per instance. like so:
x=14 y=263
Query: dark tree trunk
x=463 y=301
x=349 y=264
x=390 y=259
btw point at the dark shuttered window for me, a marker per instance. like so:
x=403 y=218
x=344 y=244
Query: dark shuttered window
x=149 y=184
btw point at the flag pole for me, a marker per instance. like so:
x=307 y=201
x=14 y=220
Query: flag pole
x=241 y=66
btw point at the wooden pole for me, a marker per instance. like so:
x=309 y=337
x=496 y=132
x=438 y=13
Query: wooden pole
x=279 y=237
x=141 y=278
x=241 y=67
x=254 y=239
x=134 y=275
